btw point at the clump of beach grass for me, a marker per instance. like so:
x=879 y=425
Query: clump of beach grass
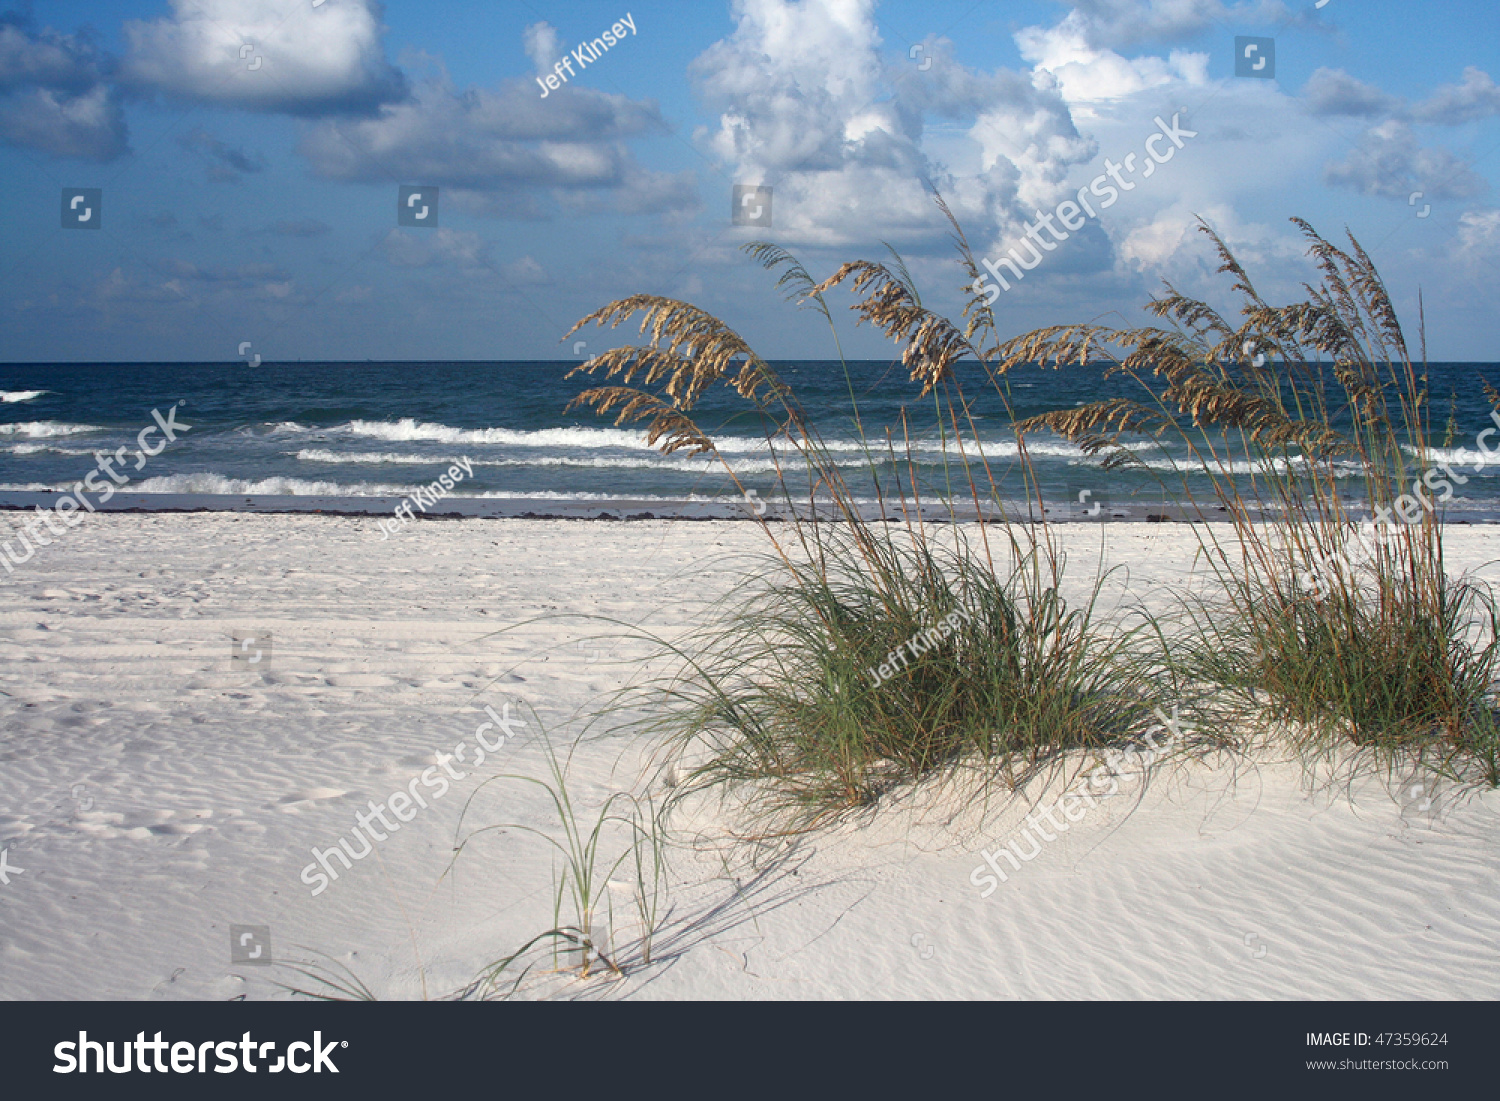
x=776 y=693
x=827 y=685
x=1342 y=634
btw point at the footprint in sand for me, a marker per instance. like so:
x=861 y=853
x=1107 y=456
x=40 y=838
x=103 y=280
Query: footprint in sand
x=359 y=680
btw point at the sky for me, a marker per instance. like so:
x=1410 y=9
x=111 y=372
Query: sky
x=249 y=157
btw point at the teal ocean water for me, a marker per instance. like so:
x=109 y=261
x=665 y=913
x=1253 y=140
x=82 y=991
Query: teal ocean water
x=358 y=431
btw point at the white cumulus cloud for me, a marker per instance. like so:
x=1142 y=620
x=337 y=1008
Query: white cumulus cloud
x=808 y=105
x=265 y=55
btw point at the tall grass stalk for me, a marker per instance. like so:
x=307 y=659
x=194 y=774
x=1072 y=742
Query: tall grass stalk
x=582 y=934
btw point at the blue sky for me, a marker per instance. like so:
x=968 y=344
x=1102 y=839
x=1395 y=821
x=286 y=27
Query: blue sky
x=246 y=202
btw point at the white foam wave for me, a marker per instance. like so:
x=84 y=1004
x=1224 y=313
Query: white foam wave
x=1459 y=457
x=553 y=495
x=45 y=429
x=215 y=485
x=388 y=458
x=409 y=429
x=1251 y=466
x=682 y=464
x=209 y=484
x=36 y=448
x=280 y=428
x=9 y=396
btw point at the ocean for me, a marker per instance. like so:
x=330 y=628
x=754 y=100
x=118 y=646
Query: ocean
x=359 y=436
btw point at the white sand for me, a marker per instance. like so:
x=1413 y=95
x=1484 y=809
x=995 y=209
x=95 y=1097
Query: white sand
x=154 y=793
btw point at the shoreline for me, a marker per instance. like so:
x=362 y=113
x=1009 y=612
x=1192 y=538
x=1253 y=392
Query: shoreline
x=613 y=509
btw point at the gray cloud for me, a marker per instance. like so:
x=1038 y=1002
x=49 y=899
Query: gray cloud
x=1335 y=92
x=1390 y=162
x=226 y=163
x=438 y=248
x=181 y=282
x=44 y=58
x=302 y=227
x=1110 y=23
x=54 y=95
x=640 y=192
x=499 y=144
x=526 y=272
x=1476 y=98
